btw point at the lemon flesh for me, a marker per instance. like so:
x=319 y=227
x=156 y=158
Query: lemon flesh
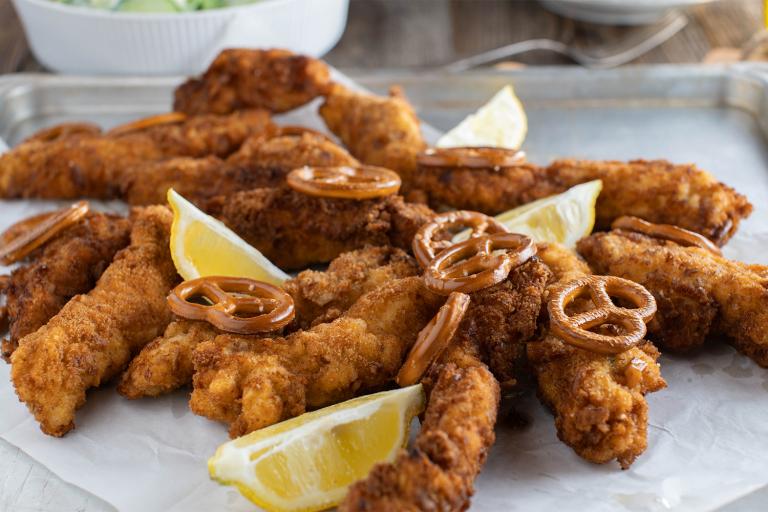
x=563 y=218
x=499 y=123
x=204 y=246
x=307 y=463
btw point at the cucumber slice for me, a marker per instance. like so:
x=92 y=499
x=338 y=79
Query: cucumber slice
x=147 y=6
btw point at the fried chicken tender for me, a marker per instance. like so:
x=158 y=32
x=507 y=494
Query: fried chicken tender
x=661 y=192
x=439 y=471
x=166 y=364
x=93 y=165
x=502 y=318
x=656 y=190
x=95 y=335
x=382 y=131
x=68 y=265
x=251 y=383
x=295 y=230
x=276 y=80
x=698 y=293
x=260 y=162
x=321 y=297
x=598 y=400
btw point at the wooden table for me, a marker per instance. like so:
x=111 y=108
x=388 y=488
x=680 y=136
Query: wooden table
x=424 y=33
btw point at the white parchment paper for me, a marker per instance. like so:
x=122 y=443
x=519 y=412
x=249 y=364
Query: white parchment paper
x=708 y=436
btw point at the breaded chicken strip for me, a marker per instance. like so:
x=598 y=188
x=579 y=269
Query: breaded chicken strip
x=598 y=400
x=95 y=335
x=251 y=383
x=502 y=318
x=439 y=471
x=323 y=296
x=93 y=165
x=382 y=131
x=698 y=293
x=260 y=162
x=661 y=192
x=68 y=265
x=656 y=190
x=295 y=230
x=166 y=364
x=276 y=80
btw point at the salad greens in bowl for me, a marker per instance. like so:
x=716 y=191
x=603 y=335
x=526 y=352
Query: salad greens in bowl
x=156 y=5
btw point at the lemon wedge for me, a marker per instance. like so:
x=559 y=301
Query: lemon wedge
x=562 y=218
x=204 y=246
x=307 y=463
x=499 y=123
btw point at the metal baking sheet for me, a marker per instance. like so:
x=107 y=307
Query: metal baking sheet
x=716 y=117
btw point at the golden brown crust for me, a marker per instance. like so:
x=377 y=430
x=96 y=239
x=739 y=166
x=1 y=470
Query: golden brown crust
x=382 y=131
x=94 y=336
x=598 y=400
x=251 y=383
x=699 y=293
x=439 y=471
x=484 y=190
x=295 y=230
x=321 y=297
x=660 y=192
x=276 y=80
x=93 y=166
x=655 y=190
x=502 y=318
x=166 y=364
x=67 y=266
x=260 y=162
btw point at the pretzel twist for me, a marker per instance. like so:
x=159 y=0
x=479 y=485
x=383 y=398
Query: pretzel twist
x=675 y=234
x=38 y=230
x=426 y=246
x=62 y=130
x=364 y=182
x=237 y=304
x=478 y=263
x=473 y=157
x=295 y=130
x=433 y=339
x=148 y=122
x=576 y=329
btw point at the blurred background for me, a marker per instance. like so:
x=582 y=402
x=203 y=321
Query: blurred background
x=434 y=33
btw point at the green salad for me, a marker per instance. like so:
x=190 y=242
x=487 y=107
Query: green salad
x=156 y=5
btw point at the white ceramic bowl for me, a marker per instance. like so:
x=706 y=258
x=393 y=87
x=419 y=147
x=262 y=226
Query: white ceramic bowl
x=81 y=40
x=617 y=12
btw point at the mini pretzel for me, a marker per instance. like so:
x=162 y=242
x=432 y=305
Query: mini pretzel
x=237 y=304
x=667 y=232
x=424 y=245
x=471 y=157
x=298 y=131
x=575 y=329
x=364 y=182
x=42 y=228
x=148 y=122
x=478 y=263
x=64 y=130
x=433 y=339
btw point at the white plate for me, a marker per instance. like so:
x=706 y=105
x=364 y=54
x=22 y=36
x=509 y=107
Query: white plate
x=617 y=12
